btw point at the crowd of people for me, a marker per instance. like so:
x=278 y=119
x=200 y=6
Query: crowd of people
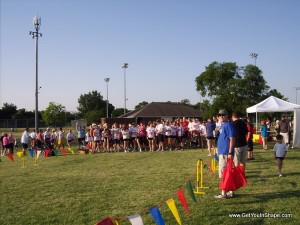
x=233 y=137
x=159 y=135
x=8 y=143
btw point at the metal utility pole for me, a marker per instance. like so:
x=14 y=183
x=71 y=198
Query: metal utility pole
x=35 y=34
x=125 y=66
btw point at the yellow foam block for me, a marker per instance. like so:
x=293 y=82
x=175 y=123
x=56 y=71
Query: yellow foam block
x=255 y=137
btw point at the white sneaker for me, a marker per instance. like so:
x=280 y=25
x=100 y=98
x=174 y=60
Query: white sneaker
x=280 y=175
x=220 y=196
x=230 y=194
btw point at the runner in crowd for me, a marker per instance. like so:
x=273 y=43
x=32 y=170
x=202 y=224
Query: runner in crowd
x=151 y=136
x=116 y=134
x=142 y=136
x=60 y=139
x=133 y=136
x=70 y=138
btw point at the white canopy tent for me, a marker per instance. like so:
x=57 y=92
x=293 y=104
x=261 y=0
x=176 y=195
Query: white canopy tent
x=273 y=104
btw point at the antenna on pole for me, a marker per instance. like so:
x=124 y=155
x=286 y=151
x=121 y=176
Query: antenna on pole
x=254 y=56
x=296 y=88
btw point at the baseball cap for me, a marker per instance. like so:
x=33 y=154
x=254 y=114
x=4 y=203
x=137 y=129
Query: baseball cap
x=223 y=112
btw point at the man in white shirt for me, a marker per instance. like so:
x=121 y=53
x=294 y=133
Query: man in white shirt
x=24 y=140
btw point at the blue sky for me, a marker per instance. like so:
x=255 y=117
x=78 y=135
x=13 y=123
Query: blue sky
x=167 y=44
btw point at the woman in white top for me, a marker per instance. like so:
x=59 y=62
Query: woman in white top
x=106 y=138
x=116 y=134
x=60 y=138
x=180 y=132
x=168 y=134
x=151 y=136
x=126 y=137
x=89 y=141
x=97 y=138
x=33 y=137
x=71 y=138
x=173 y=134
x=133 y=136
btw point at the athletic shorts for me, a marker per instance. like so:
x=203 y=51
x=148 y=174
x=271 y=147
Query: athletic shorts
x=24 y=145
x=210 y=138
x=116 y=141
x=161 y=137
x=222 y=164
x=250 y=146
x=240 y=154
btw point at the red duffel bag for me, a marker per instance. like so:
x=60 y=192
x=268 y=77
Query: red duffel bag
x=233 y=177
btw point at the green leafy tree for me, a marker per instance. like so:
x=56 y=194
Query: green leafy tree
x=275 y=93
x=92 y=106
x=23 y=114
x=8 y=110
x=206 y=108
x=231 y=87
x=140 y=105
x=54 y=115
x=186 y=102
x=117 y=112
x=93 y=116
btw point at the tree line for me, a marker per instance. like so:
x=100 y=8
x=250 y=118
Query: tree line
x=226 y=84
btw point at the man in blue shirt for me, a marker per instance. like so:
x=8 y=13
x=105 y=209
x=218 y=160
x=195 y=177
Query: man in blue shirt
x=226 y=143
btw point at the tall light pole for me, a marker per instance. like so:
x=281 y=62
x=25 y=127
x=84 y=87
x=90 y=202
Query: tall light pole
x=35 y=34
x=200 y=101
x=297 y=88
x=106 y=80
x=254 y=56
x=125 y=66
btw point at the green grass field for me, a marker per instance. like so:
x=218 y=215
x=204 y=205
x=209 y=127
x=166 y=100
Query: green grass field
x=83 y=189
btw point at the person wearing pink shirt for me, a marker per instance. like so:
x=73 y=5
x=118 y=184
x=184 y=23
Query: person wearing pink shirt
x=11 y=142
x=5 y=144
x=142 y=134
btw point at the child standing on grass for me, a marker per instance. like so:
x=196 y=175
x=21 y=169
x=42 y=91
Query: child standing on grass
x=264 y=134
x=280 y=149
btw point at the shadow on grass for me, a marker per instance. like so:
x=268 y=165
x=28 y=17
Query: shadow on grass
x=292 y=157
x=265 y=197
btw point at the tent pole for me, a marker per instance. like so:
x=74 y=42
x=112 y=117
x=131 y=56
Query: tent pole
x=256 y=123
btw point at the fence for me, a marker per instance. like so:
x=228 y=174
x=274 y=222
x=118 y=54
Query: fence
x=22 y=123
